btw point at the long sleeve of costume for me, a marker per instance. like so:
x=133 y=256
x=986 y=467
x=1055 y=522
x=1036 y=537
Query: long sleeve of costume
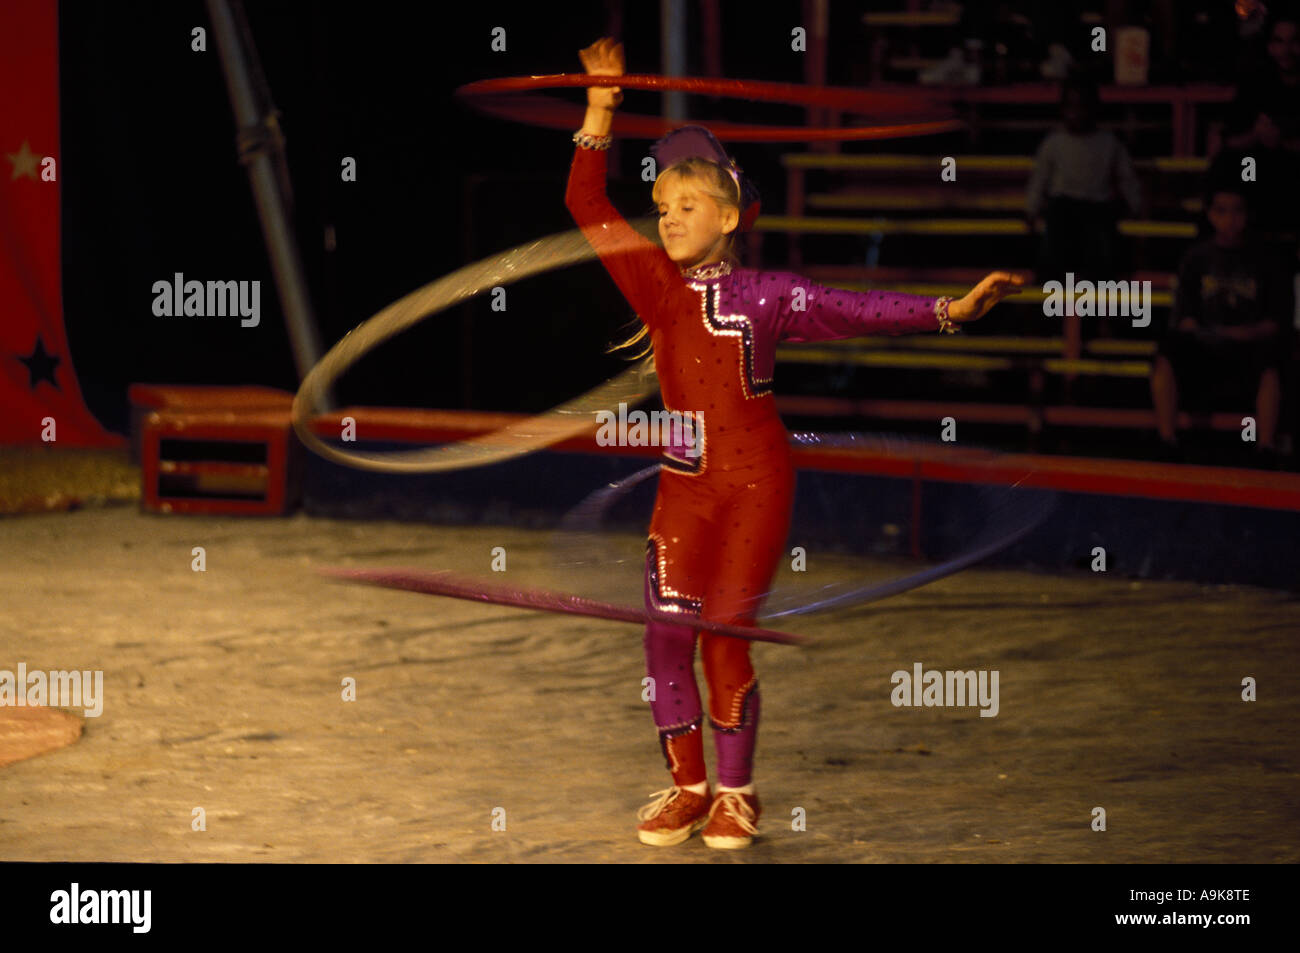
x=641 y=269
x=806 y=311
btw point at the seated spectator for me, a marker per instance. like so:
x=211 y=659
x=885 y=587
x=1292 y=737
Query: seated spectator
x=1264 y=126
x=1224 y=334
x=1081 y=175
x=1265 y=113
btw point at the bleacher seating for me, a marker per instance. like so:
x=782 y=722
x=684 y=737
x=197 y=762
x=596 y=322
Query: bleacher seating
x=866 y=204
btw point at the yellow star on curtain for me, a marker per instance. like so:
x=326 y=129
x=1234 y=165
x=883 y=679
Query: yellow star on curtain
x=25 y=161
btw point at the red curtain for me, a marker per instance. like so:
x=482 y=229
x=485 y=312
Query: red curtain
x=36 y=375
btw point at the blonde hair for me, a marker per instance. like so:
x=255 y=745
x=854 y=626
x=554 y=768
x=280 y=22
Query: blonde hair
x=713 y=181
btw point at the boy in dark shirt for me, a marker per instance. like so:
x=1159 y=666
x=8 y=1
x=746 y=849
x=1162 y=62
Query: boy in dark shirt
x=1225 y=330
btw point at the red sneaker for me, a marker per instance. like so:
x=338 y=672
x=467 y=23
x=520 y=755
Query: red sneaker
x=733 y=820
x=673 y=817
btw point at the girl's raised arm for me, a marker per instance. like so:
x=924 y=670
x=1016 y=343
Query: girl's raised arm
x=641 y=269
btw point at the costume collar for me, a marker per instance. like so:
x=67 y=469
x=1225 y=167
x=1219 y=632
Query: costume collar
x=707 y=272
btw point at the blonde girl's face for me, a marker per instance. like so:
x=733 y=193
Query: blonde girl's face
x=692 y=226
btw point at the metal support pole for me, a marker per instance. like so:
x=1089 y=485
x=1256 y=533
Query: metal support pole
x=261 y=150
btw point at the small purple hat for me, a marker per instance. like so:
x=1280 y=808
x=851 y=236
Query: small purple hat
x=696 y=142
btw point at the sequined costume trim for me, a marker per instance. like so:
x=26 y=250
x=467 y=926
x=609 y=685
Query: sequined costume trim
x=687 y=464
x=666 y=599
x=667 y=737
x=736 y=722
x=680 y=729
x=733 y=326
x=718 y=269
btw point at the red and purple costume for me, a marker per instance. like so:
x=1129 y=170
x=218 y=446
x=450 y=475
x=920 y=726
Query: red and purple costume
x=722 y=512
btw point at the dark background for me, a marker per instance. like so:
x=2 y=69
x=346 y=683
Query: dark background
x=153 y=187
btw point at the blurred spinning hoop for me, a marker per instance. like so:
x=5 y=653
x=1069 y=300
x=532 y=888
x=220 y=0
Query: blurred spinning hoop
x=910 y=115
x=567 y=420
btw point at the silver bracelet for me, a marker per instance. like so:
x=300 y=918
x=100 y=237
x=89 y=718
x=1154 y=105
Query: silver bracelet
x=586 y=140
x=946 y=325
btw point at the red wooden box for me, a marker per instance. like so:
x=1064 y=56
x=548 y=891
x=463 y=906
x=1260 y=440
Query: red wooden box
x=213 y=461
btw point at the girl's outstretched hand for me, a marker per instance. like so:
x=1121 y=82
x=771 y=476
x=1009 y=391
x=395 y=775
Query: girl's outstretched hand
x=603 y=58
x=985 y=295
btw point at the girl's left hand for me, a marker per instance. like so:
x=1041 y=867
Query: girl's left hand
x=985 y=295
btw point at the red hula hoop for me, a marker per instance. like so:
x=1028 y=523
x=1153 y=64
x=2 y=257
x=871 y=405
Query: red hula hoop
x=444 y=583
x=492 y=96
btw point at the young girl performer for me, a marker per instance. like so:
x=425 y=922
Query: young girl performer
x=722 y=510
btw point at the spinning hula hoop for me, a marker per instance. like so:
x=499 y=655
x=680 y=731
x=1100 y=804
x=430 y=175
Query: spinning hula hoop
x=496 y=97
x=570 y=419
